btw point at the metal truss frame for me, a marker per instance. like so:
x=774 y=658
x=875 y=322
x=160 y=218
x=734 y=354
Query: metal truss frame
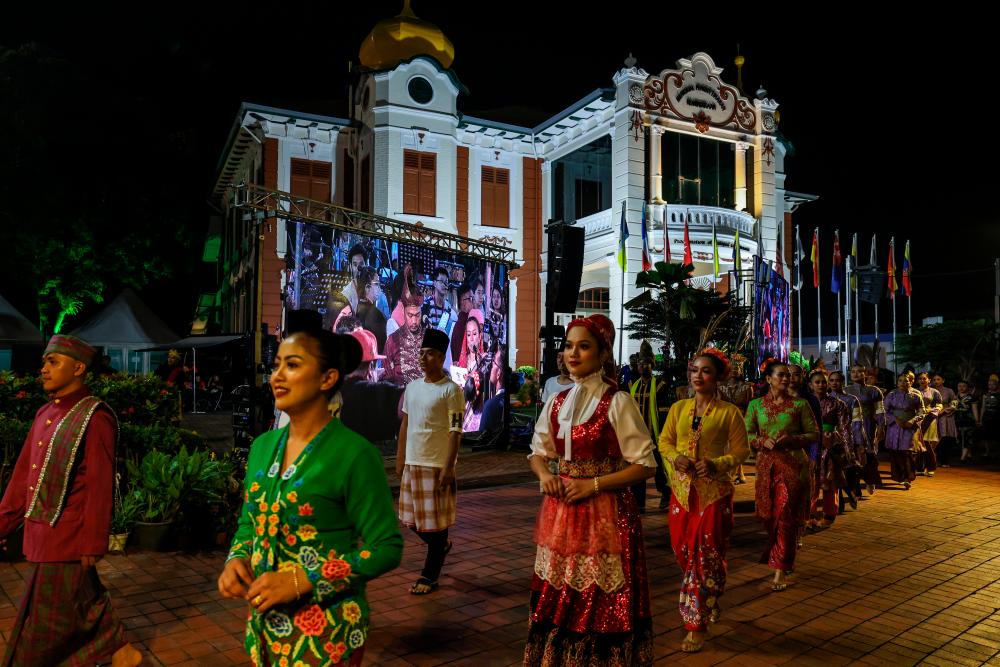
x=268 y=203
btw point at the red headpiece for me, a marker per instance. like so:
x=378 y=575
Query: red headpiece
x=718 y=354
x=603 y=329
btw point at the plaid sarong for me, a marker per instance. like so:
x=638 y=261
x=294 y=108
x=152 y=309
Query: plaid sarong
x=65 y=619
x=422 y=505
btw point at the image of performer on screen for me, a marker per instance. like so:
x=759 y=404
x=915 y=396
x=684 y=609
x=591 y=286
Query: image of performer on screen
x=437 y=310
x=402 y=348
x=475 y=360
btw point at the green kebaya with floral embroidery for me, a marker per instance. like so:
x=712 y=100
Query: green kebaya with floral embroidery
x=330 y=513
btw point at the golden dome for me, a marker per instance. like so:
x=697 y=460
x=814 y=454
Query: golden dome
x=402 y=37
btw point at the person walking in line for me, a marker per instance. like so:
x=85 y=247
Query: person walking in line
x=926 y=463
x=703 y=442
x=589 y=600
x=61 y=490
x=317 y=521
x=904 y=410
x=947 y=429
x=873 y=421
x=780 y=428
x=429 y=437
x=653 y=399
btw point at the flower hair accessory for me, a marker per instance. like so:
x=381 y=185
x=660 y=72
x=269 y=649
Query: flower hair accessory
x=719 y=355
x=767 y=363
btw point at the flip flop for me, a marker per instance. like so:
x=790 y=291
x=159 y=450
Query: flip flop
x=689 y=645
x=424 y=581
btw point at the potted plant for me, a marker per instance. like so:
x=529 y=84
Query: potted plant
x=122 y=520
x=207 y=503
x=161 y=484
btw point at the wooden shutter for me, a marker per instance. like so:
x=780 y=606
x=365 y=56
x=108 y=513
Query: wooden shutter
x=495 y=197
x=411 y=181
x=501 y=215
x=488 y=197
x=311 y=179
x=320 y=181
x=428 y=183
x=301 y=177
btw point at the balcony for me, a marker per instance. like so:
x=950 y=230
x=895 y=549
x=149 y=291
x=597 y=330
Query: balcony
x=699 y=218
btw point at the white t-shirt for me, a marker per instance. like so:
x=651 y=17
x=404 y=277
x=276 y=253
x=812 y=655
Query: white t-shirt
x=433 y=410
x=553 y=386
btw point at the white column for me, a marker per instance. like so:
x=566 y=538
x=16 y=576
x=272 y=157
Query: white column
x=656 y=164
x=740 y=177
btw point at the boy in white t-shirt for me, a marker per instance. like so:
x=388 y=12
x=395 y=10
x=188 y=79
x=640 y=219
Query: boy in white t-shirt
x=433 y=410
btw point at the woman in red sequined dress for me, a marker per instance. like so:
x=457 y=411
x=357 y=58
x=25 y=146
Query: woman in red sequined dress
x=589 y=592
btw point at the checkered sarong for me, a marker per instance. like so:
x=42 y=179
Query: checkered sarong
x=65 y=619
x=422 y=505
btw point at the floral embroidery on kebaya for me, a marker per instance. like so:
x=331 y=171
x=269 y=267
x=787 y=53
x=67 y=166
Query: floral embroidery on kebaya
x=305 y=509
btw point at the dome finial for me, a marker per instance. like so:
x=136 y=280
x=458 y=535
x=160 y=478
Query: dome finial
x=403 y=37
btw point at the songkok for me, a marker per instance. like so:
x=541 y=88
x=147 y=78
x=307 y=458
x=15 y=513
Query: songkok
x=436 y=340
x=72 y=347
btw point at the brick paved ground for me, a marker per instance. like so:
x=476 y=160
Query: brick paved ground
x=911 y=577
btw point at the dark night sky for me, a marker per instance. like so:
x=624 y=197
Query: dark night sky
x=889 y=121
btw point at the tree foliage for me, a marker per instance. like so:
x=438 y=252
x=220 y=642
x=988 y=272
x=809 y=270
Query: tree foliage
x=677 y=316
x=85 y=204
x=958 y=349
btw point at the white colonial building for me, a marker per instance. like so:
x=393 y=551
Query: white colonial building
x=681 y=142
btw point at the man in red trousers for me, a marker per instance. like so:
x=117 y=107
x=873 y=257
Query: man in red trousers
x=62 y=490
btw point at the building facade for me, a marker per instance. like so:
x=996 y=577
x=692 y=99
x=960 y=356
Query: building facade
x=682 y=145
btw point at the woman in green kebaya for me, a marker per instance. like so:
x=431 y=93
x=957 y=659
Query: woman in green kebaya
x=317 y=521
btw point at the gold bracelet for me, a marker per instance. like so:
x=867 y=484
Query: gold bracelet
x=295 y=580
x=597 y=485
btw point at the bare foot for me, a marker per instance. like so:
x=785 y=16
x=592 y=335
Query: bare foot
x=126 y=656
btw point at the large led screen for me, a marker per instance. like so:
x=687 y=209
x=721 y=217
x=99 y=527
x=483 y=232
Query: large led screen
x=771 y=313
x=395 y=291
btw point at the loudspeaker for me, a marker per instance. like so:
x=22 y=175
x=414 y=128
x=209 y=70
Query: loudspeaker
x=565 y=267
x=871 y=284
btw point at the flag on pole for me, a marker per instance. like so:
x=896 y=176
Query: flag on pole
x=737 y=256
x=892 y=269
x=907 y=287
x=814 y=257
x=873 y=260
x=688 y=256
x=797 y=261
x=778 y=267
x=837 y=264
x=854 y=263
x=647 y=263
x=622 y=237
x=666 y=240
x=715 y=252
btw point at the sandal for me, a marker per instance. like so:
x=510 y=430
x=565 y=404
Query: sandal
x=777 y=588
x=423 y=581
x=692 y=644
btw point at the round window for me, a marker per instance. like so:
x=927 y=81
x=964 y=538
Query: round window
x=420 y=90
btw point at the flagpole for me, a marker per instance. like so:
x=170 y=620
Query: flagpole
x=819 y=306
x=909 y=315
x=621 y=314
x=798 y=291
x=857 y=302
x=847 y=318
x=892 y=259
x=876 y=305
x=840 y=359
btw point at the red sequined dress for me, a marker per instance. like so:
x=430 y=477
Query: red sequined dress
x=590 y=593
